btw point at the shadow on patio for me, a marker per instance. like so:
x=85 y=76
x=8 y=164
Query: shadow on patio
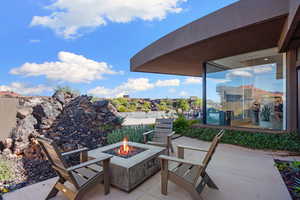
x=239 y=173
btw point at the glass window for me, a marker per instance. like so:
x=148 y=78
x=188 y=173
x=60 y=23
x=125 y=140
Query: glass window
x=247 y=91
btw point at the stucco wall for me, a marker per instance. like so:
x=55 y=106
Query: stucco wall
x=8 y=111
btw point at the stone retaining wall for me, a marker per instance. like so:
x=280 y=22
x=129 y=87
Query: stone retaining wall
x=8 y=112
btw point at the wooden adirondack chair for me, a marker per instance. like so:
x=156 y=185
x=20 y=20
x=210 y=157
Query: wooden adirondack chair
x=82 y=176
x=162 y=134
x=190 y=175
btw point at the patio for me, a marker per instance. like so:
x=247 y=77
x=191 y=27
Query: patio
x=239 y=173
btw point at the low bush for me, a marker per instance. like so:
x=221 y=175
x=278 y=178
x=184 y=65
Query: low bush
x=181 y=124
x=6 y=173
x=133 y=133
x=254 y=140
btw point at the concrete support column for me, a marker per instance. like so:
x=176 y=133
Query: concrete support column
x=291 y=90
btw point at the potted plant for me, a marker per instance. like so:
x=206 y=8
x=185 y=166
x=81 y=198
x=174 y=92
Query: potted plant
x=265 y=117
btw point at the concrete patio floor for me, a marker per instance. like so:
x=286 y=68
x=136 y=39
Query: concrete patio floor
x=241 y=174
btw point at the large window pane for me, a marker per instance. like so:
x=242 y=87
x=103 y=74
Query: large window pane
x=247 y=90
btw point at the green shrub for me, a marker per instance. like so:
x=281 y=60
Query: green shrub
x=6 y=173
x=121 y=108
x=184 y=104
x=66 y=89
x=181 y=124
x=254 y=140
x=133 y=133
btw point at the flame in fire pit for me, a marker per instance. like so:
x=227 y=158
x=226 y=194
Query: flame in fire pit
x=125 y=149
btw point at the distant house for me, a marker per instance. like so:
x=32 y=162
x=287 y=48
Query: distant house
x=126 y=96
x=9 y=94
x=193 y=98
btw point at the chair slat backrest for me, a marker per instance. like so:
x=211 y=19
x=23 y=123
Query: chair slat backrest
x=208 y=156
x=54 y=156
x=52 y=152
x=212 y=149
x=163 y=127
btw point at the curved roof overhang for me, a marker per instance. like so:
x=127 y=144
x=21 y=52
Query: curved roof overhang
x=242 y=27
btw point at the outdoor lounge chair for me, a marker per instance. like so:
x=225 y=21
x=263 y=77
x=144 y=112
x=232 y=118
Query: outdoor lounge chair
x=187 y=173
x=82 y=176
x=161 y=135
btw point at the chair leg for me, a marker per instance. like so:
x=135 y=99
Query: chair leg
x=106 y=177
x=164 y=183
x=195 y=195
x=206 y=180
x=78 y=196
x=210 y=182
x=171 y=147
x=164 y=177
x=54 y=190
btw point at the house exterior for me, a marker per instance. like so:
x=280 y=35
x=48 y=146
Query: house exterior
x=248 y=57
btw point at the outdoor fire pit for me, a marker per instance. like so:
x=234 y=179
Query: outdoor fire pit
x=125 y=150
x=131 y=164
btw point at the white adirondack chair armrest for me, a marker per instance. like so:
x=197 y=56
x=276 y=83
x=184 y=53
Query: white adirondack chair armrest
x=191 y=148
x=90 y=162
x=74 y=151
x=148 y=132
x=179 y=160
x=171 y=134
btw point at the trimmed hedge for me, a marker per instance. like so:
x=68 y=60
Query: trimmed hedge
x=267 y=141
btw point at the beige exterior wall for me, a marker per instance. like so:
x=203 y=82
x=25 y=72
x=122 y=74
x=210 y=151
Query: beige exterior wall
x=8 y=112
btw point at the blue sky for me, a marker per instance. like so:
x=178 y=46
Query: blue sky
x=87 y=45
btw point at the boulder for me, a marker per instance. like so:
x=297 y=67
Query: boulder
x=59 y=96
x=24 y=112
x=8 y=143
x=46 y=112
x=25 y=127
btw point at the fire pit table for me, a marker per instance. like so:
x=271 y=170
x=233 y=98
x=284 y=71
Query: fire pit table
x=131 y=164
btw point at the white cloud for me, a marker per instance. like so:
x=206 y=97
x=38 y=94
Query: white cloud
x=139 y=84
x=183 y=94
x=70 y=68
x=198 y=80
x=238 y=73
x=262 y=69
x=34 y=41
x=166 y=83
x=131 y=86
x=218 y=80
x=70 y=17
x=193 y=80
x=24 y=89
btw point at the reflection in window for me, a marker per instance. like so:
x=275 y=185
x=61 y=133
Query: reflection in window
x=247 y=91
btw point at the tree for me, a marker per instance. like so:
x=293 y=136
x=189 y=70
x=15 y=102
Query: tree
x=163 y=106
x=146 y=107
x=184 y=105
x=197 y=103
x=169 y=103
x=120 y=101
x=132 y=107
